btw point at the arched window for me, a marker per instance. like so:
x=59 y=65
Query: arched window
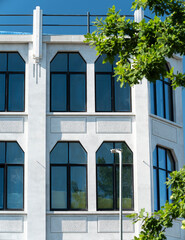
x=109 y=96
x=11 y=176
x=68 y=83
x=12 y=75
x=162 y=98
x=68 y=177
x=163 y=165
x=107 y=175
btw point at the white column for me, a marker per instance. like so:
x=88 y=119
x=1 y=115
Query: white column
x=36 y=141
x=138 y=15
x=37 y=34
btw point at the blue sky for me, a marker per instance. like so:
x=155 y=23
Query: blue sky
x=69 y=7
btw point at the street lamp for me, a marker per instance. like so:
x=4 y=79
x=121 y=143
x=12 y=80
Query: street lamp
x=119 y=151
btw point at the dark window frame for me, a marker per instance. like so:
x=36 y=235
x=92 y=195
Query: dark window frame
x=164 y=83
x=68 y=73
x=114 y=167
x=7 y=73
x=157 y=168
x=113 y=80
x=5 y=167
x=68 y=168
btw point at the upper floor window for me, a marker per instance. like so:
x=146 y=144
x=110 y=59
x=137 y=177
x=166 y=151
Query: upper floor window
x=12 y=75
x=110 y=97
x=11 y=176
x=68 y=177
x=162 y=98
x=68 y=83
x=163 y=165
x=107 y=174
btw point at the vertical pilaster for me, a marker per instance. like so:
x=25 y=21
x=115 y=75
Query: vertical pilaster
x=36 y=202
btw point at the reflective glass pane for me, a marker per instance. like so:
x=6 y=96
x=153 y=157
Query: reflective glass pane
x=78 y=188
x=16 y=92
x=152 y=98
x=76 y=63
x=2 y=152
x=77 y=154
x=168 y=102
x=100 y=67
x=14 y=154
x=2 y=92
x=155 y=189
x=169 y=191
x=58 y=187
x=3 y=62
x=162 y=158
x=155 y=157
x=127 y=187
x=105 y=187
x=170 y=162
x=127 y=155
x=162 y=187
x=77 y=92
x=103 y=155
x=15 y=63
x=58 y=92
x=122 y=97
x=1 y=187
x=15 y=187
x=59 y=63
x=159 y=98
x=60 y=153
x=103 y=93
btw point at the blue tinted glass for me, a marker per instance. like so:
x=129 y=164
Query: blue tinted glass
x=15 y=187
x=76 y=63
x=169 y=191
x=103 y=155
x=122 y=97
x=155 y=189
x=100 y=67
x=105 y=187
x=58 y=92
x=16 y=92
x=103 y=92
x=1 y=187
x=127 y=155
x=168 y=102
x=77 y=92
x=159 y=98
x=60 y=153
x=127 y=187
x=155 y=157
x=2 y=92
x=15 y=63
x=3 y=62
x=58 y=187
x=2 y=152
x=78 y=188
x=162 y=158
x=170 y=162
x=162 y=187
x=59 y=63
x=14 y=154
x=77 y=154
x=152 y=100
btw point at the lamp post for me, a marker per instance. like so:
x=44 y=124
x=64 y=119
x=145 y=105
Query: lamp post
x=119 y=151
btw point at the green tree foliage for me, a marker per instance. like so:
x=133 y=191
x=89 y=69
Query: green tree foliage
x=154 y=226
x=147 y=43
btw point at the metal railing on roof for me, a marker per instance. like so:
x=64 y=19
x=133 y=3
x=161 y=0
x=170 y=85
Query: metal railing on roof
x=52 y=23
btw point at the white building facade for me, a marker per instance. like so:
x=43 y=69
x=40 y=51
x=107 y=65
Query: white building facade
x=59 y=117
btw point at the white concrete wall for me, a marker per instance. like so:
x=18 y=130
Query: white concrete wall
x=37 y=130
